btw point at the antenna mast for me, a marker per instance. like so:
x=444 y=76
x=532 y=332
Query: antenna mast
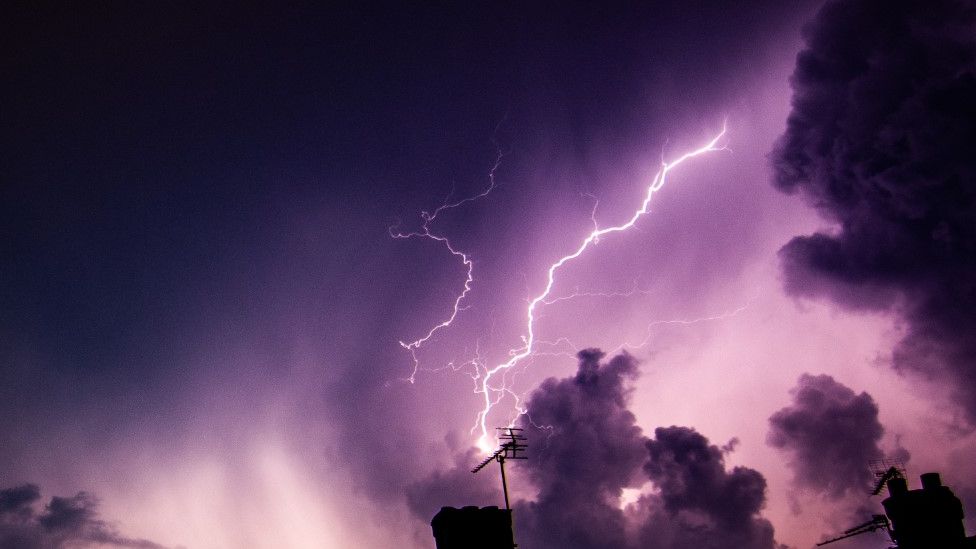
x=877 y=522
x=508 y=450
x=885 y=470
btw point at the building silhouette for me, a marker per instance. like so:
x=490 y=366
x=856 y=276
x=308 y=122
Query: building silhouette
x=927 y=518
x=473 y=528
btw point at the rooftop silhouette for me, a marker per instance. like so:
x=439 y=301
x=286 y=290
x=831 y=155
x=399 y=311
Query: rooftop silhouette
x=926 y=518
x=473 y=528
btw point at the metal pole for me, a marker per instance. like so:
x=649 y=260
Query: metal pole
x=501 y=464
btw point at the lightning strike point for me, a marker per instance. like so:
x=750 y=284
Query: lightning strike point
x=485 y=445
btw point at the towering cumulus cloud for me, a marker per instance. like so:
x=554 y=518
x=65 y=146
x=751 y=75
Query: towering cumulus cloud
x=586 y=448
x=591 y=449
x=831 y=433
x=65 y=522
x=881 y=141
x=594 y=450
x=700 y=504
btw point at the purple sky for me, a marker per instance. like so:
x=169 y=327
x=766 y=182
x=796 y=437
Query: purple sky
x=201 y=304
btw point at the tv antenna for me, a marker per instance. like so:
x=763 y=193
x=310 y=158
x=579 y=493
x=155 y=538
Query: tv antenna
x=885 y=470
x=877 y=522
x=509 y=449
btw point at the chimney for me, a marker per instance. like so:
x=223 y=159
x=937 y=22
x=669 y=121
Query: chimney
x=931 y=481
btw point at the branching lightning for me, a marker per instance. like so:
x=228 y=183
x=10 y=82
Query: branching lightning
x=494 y=384
x=572 y=348
x=529 y=340
x=425 y=232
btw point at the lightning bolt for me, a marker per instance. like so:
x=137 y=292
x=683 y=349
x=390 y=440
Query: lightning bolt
x=493 y=394
x=496 y=382
x=426 y=233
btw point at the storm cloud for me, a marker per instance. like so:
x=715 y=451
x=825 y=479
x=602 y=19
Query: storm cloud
x=880 y=140
x=707 y=505
x=586 y=448
x=831 y=433
x=65 y=521
x=589 y=449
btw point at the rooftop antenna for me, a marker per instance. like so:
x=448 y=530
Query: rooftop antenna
x=885 y=470
x=508 y=450
x=877 y=522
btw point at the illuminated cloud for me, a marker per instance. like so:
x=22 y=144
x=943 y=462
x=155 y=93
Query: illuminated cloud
x=591 y=448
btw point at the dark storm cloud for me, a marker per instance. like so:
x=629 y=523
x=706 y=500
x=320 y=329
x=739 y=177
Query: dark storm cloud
x=594 y=450
x=692 y=478
x=881 y=141
x=699 y=503
x=831 y=434
x=65 y=521
x=19 y=499
x=591 y=448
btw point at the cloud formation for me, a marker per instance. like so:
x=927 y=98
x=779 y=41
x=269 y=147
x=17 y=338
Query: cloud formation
x=586 y=448
x=590 y=451
x=707 y=505
x=831 y=434
x=65 y=521
x=880 y=140
x=590 y=448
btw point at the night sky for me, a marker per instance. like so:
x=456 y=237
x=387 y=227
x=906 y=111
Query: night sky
x=204 y=307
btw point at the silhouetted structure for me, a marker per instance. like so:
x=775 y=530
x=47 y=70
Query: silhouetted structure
x=473 y=528
x=886 y=470
x=927 y=518
x=482 y=527
x=508 y=450
x=877 y=522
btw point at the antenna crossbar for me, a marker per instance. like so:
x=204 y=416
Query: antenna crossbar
x=508 y=450
x=877 y=522
x=885 y=470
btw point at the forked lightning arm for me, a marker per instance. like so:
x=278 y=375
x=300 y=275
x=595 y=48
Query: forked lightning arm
x=425 y=232
x=529 y=340
x=485 y=385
